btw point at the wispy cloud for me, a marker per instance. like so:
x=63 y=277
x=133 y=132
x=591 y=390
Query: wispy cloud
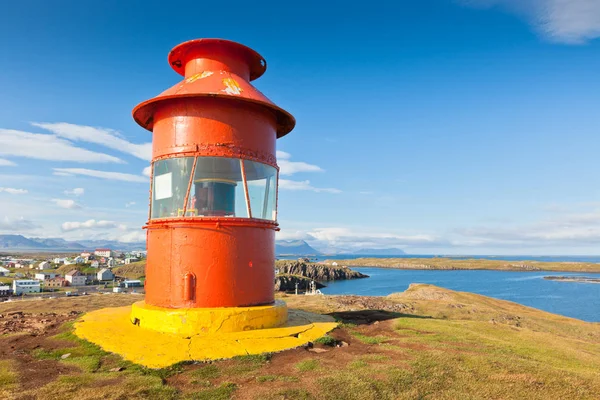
x=67 y=203
x=91 y=224
x=102 y=136
x=285 y=184
x=6 y=163
x=564 y=21
x=15 y=143
x=147 y=171
x=287 y=167
x=17 y=224
x=130 y=204
x=75 y=192
x=115 y=176
x=13 y=190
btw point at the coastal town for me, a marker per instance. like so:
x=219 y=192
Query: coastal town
x=68 y=274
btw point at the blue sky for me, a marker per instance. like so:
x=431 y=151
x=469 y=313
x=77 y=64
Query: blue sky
x=436 y=126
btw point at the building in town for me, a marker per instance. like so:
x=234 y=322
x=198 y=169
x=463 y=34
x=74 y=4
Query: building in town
x=132 y=283
x=44 y=265
x=21 y=286
x=75 y=278
x=43 y=276
x=105 y=274
x=56 y=282
x=103 y=252
x=5 y=290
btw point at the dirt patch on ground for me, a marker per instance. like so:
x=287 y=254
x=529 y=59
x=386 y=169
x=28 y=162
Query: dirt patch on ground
x=23 y=334
x=34 y=324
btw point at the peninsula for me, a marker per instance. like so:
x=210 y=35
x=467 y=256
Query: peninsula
x=467 y=264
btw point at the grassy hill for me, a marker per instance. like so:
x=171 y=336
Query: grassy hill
x=426 y=342
x=136 y=270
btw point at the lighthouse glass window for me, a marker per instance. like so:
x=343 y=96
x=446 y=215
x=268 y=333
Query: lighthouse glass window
x=169 y=186
x=215 y=188
x=262 y=189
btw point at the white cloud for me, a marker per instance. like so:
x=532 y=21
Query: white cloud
x=568 y=229
x=564 y=21
x=47 y=147
x=147 y=171
x=287 y=167
x=6 y=163
x=129 y=204
x=285 y=184
x=102 y=136
x=13 y=190
x=133 y=236
x=75 y=192
x=91 y=224
x=116 y=176
x=17 y=224
x=337 y=238
x=67 y=203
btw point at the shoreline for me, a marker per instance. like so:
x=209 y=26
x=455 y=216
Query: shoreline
x=577 y=279
x=448 y=264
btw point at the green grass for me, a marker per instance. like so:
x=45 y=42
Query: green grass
x=326 y=341
x=209 y=371
x=288 y=394
x=223 y=392
x=370 y=339
x=8 y=377
x=307 y=365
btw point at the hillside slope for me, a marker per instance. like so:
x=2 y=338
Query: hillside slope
x=426 y=342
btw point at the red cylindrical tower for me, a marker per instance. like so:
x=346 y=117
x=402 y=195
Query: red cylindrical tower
x=213 y=208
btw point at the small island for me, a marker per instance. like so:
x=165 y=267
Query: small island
x=580 y=279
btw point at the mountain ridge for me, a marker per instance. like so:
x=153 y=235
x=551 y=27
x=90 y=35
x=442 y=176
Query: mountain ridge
x=20 y=242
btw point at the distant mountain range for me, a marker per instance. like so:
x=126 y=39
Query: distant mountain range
x=301 y=248
x=20 y=242
x=294 y=248
x=380 y=252
x=282 y=247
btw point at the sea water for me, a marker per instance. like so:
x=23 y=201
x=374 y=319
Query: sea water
x=571 y=299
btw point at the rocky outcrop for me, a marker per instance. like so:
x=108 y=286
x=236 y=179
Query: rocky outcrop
x=287 y=283
x=317 y=272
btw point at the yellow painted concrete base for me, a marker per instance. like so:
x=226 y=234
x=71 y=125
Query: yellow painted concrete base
x=111 y=329
x=207 y=321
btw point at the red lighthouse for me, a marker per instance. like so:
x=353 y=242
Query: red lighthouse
x=212 y=220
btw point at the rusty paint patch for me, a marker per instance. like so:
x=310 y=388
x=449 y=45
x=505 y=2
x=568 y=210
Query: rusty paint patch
x=200 y=75
x=231 y=86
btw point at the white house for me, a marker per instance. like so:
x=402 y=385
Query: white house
x=110 y=262
x=42 y=276
x=44 y=265
x=132 y=283
x=5 y=290
x=75 y=278
x=4 y=271
x=79 y=260
x=95 y=264
x=103 y=252
x=105 y=274
x=130 y=260
x=21 y=286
